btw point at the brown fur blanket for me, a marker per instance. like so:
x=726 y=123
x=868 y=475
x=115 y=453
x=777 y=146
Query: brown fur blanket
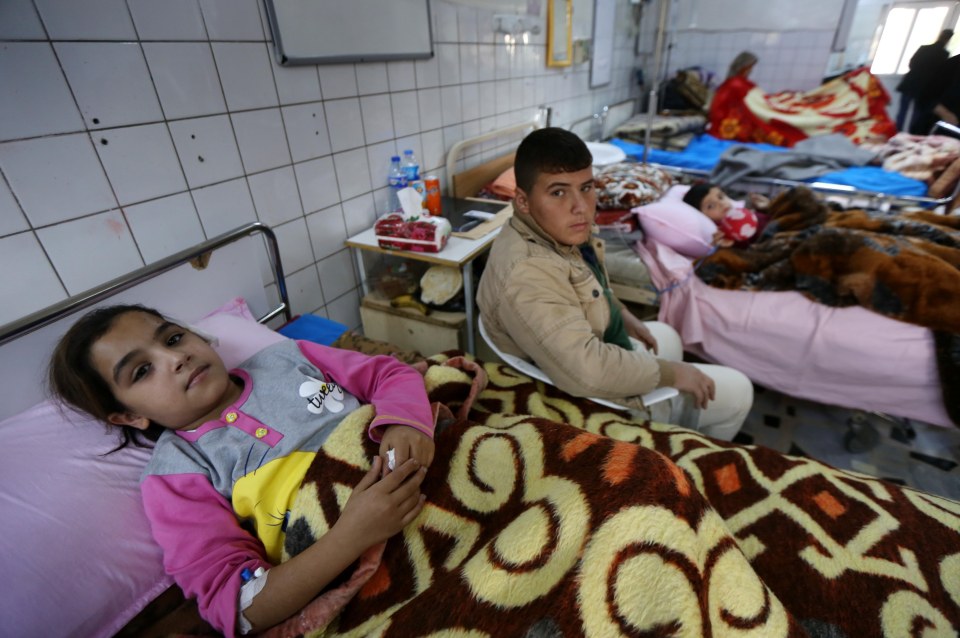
x=904 y=266
x=551 y=516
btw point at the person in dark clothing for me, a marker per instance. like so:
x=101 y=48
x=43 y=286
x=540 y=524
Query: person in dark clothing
x=947 y=105
x=920 y=85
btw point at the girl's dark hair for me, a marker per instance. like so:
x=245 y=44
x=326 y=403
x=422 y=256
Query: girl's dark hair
x=73 y=379
x=549 y=150
x=697 y=192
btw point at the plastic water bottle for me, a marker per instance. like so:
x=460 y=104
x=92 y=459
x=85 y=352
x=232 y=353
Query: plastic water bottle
x=411 y=166
x=397 y=181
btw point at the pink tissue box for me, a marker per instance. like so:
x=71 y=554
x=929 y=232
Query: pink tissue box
x=425 y=234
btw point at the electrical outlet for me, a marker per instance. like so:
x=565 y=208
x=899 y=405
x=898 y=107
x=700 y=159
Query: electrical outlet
x=581 y=50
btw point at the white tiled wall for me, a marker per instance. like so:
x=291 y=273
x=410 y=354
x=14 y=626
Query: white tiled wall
x=791 y=58
x=788 y=60
x=130 y=129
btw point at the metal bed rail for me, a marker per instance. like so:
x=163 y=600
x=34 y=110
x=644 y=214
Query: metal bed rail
x=52 y=313
x=880 y=199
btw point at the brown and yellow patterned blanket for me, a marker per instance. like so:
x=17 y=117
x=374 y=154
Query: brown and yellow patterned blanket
x=905 y=266
x=552 y=516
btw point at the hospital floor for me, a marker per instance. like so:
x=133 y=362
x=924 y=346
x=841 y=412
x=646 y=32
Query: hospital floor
x=928 y=461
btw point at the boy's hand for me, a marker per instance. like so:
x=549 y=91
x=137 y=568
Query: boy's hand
x=378 y=509
x=636 y=329
x=406 y=442
x=689 y=378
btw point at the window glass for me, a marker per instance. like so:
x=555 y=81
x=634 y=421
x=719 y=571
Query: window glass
x=926 y=28
x=907 y=28
x=896 y=30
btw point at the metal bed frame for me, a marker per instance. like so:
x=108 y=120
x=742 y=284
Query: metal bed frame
x=607 y=119
x=197 y=254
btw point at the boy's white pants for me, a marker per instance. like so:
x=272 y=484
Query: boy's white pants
x=723 y=416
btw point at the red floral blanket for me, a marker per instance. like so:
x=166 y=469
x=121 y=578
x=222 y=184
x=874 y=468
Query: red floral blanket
x=853 y=105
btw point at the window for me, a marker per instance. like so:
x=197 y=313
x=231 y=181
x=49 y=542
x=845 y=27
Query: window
x=906 y=28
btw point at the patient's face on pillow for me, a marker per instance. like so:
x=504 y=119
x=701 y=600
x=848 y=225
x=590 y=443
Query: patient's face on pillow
x=716 y=204
x=564 y=205
x=161 y=373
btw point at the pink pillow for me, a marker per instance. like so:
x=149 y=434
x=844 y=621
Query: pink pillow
x=676 y=191
x=238 y=333
x=505 y=185
x=76 y=547
x=680 y=226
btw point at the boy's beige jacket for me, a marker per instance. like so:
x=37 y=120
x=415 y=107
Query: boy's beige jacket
x=539 y=300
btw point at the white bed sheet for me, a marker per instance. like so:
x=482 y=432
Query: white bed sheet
x=850 y=357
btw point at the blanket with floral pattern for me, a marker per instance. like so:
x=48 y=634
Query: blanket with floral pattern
x=853 y=105
x=552 y=516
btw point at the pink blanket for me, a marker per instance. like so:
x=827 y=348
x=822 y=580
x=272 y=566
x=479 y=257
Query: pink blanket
x=842 y=356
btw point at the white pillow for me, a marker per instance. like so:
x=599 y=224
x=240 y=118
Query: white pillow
x=605 y=154
x=674 y=223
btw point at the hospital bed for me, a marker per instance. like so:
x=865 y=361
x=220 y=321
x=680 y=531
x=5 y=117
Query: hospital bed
x=847 y=356
x=868 y=186
x=667 y=130
x=540 y=524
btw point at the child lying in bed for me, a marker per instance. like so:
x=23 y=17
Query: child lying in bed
x=236 y=444
x=737 y=223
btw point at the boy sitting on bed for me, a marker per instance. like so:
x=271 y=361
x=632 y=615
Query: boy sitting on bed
x=544 y=296
x=738 y=224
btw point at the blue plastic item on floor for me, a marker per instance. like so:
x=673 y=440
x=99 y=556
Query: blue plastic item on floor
x=313 y=328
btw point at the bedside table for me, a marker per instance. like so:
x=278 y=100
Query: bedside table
x=458 y=253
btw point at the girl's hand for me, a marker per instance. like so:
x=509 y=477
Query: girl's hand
x=758 y=201
x=406 y=442
x=379 y=508
x=721 y=241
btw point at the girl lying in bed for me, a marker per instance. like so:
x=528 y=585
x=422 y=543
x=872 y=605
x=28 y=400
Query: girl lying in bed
x=236 y=444
x=532 y=526
x=737 y=222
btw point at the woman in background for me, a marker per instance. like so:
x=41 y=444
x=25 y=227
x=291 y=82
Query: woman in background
x=853 y=105
x=729 y=97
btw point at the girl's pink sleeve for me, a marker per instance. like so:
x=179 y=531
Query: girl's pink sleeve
x=396 y=390
x=204 y=547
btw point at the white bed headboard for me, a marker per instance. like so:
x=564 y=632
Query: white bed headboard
x=498 y=141
x=238 y=268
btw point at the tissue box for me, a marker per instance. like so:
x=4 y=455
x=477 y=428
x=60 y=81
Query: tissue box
x=425 y=234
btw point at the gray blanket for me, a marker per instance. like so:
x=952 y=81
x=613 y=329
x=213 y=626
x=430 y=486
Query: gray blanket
x=811 y=157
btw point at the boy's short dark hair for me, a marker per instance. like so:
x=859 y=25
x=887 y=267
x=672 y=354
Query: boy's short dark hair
x=549 y=150
x=697 y=192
